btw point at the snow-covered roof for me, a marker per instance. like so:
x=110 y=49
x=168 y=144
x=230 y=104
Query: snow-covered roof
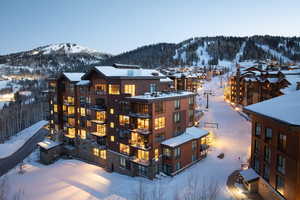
x=284 y=108
x=73 y=76
x=190 y=134
x=162 y=95
x=249 y=175
x=48 y=144
x=292 y=79
x=167 y=79
x=119 y=72
x=83 y=82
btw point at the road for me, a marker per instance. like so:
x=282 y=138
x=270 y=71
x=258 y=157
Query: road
x=10 y=162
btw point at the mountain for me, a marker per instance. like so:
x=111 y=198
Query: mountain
x=55 y=57
x=212 y=51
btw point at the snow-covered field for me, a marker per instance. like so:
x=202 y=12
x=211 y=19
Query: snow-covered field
x=17 y=141
x=72 y=179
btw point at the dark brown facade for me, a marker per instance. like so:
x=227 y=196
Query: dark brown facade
x=275 y=156
x=119 y=122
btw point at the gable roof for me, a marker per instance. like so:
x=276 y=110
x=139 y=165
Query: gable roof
x=283 y=108
x=73 y=76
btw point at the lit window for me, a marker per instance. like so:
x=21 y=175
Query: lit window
x=51 y=112
x=111 y=111
x=167 y=152
x=130 y=89
x=88 y=123
x=55 y=108
x=143 y=155
x=159 y=123
x=124 y=148
x=123 y=119
x=113 y=89
x=71 y=133
x=143 y=123
x=156 y=154
x=101 y=130
x=64 y=107
x=95 y=151
x=70 y=100
x=112 y=138
x=71 y=121
x=82 y=111
x=100 y=116
x=103 y=154
x=112 y=125
x=100 y=88
x=83 y=134
x=71 y=110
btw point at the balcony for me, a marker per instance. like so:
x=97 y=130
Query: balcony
x=98 y=107
x=140 y=145
x=141 y=131
x=98 y=134
x=98 y=121
x=140 y=161
x=139 y=115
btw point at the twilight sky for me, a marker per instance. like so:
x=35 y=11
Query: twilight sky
x=114 y=26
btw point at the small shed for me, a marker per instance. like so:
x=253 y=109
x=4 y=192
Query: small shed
x=49 y=151
x=250 y=180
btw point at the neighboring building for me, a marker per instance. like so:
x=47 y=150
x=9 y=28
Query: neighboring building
x=187 y=82
x=117 y=117
x=275 y=147
x=253 y=85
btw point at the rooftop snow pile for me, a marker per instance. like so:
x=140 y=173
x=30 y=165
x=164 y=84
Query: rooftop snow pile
x=190 y=134
x=48 y=144
x=83 y=82
x=119 y=72
x=283 y=108
x=162 y=95
x=74 y=76
x=249 y=175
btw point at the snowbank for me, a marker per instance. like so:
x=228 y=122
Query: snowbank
x=17 y=141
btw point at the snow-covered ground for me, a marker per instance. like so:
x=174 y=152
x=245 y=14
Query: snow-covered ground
x=17 y=141
x=72 y=179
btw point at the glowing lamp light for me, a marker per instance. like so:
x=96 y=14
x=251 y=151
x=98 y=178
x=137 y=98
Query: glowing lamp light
x=237 y=109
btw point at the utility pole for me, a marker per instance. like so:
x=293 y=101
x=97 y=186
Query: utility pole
x=207 y=93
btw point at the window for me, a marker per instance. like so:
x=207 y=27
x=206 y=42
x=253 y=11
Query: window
x=143 y=123
x=177 y=104
x=82 y=111
x=266 y=173
x=159 y=123
x=112 y=125
x=152 y=88
x=70 y=100
x=280 y=184
x=177 y=166
x=177 y=117
x=55 y=108
x=194 y=158
x=71 y=121
x=177 y=152
x=141 y=108
x=123 y=119
x=83 y=134
x=159 y=107
x=282 y=142
x=71 y=133
x=95 y=151
x=194 y=145
x=256 y=146
x=268 y=133
x=156 y=154
x=143 y=155
x=281 y=164
x=167 y=152
x=159 y=137
x=100 y=88
x=111 y=111
x=130 y=89
x=191 y=100
x=256 y=164
x=101 y=130
x=124 y=148
x=191 y=115
x=142 y=170
x=122 y=162
x=100 y=116
x=64 y=108
x=112 y=138
x=267 y=155
x=103 y=154
x=113 y=89
x=257 y=129
x=71 y=110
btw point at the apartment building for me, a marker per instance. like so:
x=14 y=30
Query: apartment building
x=275 y=146
x=118 y=117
